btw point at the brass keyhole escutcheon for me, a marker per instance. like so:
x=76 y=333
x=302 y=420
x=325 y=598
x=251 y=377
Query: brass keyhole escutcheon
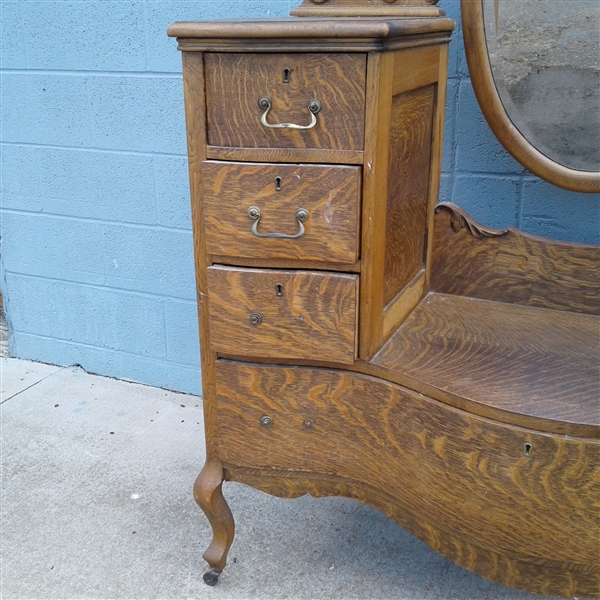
x=527 y=449
x=286 y=74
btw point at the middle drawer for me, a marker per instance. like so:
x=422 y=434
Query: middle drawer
x=279 y=211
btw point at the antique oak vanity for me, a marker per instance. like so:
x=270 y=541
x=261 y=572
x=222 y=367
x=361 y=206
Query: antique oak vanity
x=356 y=339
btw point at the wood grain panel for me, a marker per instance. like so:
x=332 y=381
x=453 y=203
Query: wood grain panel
x=524 y=360
x=195 y=111
x=515 y=267
x=408 y=188
x=314 y=315
x=397 y=310
x=444 y=465
x=515 y=570
x=375 y=178
x=436 y=157
x=236 y=82
x=415 y=68
x=331 y=195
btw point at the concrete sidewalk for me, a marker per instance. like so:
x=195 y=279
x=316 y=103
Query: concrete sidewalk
x=97 y=503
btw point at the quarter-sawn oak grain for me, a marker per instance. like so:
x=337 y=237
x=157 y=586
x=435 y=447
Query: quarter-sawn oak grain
x=545 y=577
x=207 y=488
x=236 y=82
x=475 y=425
x=515 y=267
x=408 y=188
x=466 y=473
x=312 y=314
x=331 y=195
x=534 y=361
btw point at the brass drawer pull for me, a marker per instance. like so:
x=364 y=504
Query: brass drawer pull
x=314 y=106
x=301 y=216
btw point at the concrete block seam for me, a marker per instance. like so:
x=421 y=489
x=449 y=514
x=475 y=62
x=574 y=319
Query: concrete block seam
x=92 y=149
x=108 y=288
x=116 y=223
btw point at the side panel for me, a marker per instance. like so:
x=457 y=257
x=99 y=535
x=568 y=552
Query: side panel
x=195 y=116
x=408 y=188
x=406 y=93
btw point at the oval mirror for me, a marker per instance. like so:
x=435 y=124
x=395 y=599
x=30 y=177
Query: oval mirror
x=535 y=69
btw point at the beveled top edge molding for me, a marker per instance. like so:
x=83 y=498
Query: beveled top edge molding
x=310 y=45
x=367 y=28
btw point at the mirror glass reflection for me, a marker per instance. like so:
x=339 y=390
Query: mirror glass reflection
x=545 y=58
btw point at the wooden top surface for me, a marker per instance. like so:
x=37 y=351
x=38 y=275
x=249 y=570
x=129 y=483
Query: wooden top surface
x=540 y=363
x=307 y=27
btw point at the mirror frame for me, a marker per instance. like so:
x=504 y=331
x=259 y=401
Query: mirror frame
x=515 y=143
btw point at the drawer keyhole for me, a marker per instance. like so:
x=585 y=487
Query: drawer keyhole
x=278 y=182
x=286 y=75
x=279 y=289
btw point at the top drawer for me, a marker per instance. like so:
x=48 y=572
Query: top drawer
x=235 y=83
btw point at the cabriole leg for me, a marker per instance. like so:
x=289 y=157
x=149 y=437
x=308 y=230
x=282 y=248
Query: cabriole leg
x=209 y=496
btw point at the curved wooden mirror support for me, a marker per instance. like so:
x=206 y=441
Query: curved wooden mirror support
x=516 y=140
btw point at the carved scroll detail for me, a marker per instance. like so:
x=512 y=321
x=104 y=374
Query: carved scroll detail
x=459 y=219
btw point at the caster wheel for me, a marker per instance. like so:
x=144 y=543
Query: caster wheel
x=211 y=578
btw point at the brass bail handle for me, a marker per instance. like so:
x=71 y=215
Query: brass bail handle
x=301 y=217
x=314 y=106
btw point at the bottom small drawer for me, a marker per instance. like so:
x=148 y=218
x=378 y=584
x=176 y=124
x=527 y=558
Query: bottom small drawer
x=307 y=315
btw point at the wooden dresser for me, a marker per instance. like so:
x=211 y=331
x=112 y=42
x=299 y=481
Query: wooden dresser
x=335 y=358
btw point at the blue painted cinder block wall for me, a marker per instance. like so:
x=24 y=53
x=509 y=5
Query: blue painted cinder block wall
x=96 y=232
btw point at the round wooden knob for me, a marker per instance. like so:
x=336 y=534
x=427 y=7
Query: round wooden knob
x=390 y=1
x=318 y=1
x=266 y=421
